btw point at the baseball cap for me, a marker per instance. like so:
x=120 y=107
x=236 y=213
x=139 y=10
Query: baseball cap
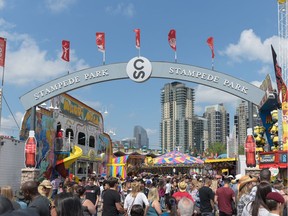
x=148 y=181
x=276 y=197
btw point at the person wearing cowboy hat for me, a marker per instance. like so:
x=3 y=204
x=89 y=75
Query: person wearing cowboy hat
x=235 y=182
x=245 y=185
x=41 y=203
x=45 y=189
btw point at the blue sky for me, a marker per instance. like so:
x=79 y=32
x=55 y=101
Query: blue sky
x=243 y=32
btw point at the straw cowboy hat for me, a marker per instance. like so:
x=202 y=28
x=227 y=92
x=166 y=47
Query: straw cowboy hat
x=245 y=180
x=45 y=184
x=237 y=177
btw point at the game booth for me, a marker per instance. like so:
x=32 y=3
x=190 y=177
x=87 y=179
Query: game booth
x=219 y=166
x=272 y=151
x=126 y=165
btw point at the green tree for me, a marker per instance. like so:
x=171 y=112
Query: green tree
x=218 y=148
x=241 y=150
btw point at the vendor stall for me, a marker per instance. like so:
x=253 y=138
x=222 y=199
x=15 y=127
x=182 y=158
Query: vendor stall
x=220 y=165
x=276 y=160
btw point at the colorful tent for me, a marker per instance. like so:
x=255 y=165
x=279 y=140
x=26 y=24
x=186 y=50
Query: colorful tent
x=176 y=157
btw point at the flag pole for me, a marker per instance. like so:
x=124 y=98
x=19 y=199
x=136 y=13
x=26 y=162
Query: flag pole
x=175 y=56
x=3 y=76
x=1 y=96
x=67 y=67
x=212 y=63
x=104 y=57
x=139 y=52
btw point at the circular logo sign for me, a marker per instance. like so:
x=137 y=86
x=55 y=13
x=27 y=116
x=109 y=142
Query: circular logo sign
x=139 y=69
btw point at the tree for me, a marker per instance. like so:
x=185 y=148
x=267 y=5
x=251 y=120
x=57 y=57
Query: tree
x=217 y=148
x=241 y=150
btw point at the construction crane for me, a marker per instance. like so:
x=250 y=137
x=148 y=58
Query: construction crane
x=283 y=35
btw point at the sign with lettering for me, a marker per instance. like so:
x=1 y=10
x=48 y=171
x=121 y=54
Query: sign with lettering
x=140 y=69
x=72 y=107
x=267 y=158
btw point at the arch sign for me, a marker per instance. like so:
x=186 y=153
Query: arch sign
x=140 y=69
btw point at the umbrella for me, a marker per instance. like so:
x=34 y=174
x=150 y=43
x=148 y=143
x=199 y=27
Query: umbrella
x=176 y=157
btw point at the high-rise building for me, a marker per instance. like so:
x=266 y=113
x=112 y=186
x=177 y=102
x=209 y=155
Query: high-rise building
x=141 y=137
x=128 y=143
x=200 y=137
x=177 y=110
x=232 y=144
x=241 y=122
x=218 y=123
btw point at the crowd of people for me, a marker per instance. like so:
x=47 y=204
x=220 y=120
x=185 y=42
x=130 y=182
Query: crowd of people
x=149 y=195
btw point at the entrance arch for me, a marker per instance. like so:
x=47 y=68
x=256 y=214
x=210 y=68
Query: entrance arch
x=166 y=70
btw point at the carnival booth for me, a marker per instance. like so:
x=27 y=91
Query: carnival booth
x=220 y=165
x=126 y=165
x=118 y=166
x=173 y=162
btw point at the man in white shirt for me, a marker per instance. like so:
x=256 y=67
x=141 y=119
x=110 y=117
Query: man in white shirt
x=168 y=187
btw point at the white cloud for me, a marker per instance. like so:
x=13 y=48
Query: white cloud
x=9 y=126
x=5 y=25
x=204 y=94
x=122 y=9
x=151 y=132
x=2 y=4
x=26 y=62
x=251 y=48
x=199 y=110
x=265 y=70
x=59 y=5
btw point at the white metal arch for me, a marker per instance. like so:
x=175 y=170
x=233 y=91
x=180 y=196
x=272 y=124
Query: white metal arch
x=166 y=70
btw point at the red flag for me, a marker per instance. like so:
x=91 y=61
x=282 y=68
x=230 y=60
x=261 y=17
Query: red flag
x=210 y=42
x=137 y=31
x=100 y=41
x=2 y=51
x=172 y=39
x=65 y=50
x=282 y=88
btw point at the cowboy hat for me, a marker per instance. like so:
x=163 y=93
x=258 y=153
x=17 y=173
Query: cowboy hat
x=245 y=180
x=237 y=177
x=45 y=184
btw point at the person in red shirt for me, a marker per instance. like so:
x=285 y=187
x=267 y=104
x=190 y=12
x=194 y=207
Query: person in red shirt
x=182 y=192
x=223 y=198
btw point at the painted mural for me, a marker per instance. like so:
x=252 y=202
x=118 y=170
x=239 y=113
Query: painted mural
x=83 y=137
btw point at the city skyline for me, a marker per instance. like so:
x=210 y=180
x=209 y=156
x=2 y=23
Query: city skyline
x=33 y=57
